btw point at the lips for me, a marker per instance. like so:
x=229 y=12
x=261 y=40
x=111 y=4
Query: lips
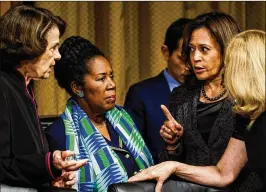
x=111 y=98
x=199 y=69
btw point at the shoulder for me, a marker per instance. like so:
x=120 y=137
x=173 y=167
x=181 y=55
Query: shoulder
x=56 y=128
x=55 y=135
x=184 y=93
x=260 y=123
x=5 y=84
x=148 y=83
x=119 y=107
x=3 y=78
x=125 y=110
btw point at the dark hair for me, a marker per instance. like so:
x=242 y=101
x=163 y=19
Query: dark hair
x=174 y=33
x=222 y=26
x=76 y=52
x=23 y=31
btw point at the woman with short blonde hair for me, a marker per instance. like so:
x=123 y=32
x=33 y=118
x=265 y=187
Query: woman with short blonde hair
x=245 y=73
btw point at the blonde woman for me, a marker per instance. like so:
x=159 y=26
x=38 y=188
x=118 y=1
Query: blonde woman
x=245 y=82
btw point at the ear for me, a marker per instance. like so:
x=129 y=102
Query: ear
x=165 y=52
x=75 y=88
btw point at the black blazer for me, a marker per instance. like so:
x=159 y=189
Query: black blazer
x=143 y=102
x=23 y=147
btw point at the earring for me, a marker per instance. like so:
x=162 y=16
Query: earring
x=80 y=94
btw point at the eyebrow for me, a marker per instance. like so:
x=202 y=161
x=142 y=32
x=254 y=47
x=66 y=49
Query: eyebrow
x=112 y=72
x=54 y=45
x=203 y=44
x=57 y=43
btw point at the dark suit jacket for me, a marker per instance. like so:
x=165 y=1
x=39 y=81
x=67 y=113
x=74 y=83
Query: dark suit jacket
x=143 y=102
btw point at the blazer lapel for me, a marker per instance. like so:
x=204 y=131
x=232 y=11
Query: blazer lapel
x=219 y=125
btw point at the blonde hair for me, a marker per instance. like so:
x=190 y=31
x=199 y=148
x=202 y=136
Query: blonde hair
x=245 y=73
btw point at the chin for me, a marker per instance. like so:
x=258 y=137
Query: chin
x=109 y=107
x=45 y=76
x=181 y=81
x=201 y=77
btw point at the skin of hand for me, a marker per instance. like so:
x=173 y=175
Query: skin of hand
x=60 y=162
x=220 y=175
x=171 y=131
x=67 y=179
x=159 y=172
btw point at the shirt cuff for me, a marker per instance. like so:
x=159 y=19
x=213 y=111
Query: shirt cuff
x=53 y=172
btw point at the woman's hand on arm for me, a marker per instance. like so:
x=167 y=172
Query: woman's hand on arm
x=171 y=131
x=158 y=172
x=221 y=175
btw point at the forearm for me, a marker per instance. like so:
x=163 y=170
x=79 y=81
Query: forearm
x=205 y=175
x=221 y=175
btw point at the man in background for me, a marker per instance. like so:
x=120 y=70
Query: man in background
x=144 y=99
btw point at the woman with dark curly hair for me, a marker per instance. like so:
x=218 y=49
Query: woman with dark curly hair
x=29 y=41
x=92 y=124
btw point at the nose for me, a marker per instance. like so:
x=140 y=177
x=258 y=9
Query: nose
x=195 y=56
x=111 y=84
x=57 y=55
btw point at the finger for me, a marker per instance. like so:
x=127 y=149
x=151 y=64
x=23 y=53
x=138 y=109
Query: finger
x=70 y=183
x=58 y=184
x=57 y=155
x=137 y=177
x=167 y=130
x=67 y=154
x=158 y=187
x=143 y=175
x=68 y=176
x=71 y=180
x=75 y=165
x=174 y=126
x=65 y=164
x=170 y=142
x=167 y=113
x=167 y=136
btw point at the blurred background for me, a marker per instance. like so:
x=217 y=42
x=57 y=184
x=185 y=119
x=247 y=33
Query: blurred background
x=130 y=34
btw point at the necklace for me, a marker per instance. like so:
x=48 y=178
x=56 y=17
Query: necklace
x=214 y=98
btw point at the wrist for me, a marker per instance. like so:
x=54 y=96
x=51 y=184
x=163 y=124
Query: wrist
x=172 y=147
x=175 y=171
x=56 y=172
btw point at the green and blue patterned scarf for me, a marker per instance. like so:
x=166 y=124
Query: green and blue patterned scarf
x=104 y=167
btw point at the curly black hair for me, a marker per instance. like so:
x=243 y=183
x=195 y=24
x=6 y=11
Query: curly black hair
x=76 y=52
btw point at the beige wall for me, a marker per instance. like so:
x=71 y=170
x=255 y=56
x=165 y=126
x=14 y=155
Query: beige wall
x=131 y=34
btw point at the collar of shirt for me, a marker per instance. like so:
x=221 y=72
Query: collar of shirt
x=171 y=82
